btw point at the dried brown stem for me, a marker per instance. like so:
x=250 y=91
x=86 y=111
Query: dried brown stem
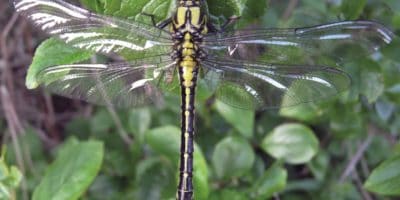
x=289 y=9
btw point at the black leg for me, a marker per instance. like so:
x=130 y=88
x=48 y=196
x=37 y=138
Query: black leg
x=231 y=20
x=212 y=28
x=162 y=24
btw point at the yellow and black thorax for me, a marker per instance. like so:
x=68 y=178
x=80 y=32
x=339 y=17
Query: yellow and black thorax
x=188 y=26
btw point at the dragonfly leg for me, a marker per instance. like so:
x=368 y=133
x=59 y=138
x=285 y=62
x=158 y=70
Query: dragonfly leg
x=231 y=20
x=162 y=24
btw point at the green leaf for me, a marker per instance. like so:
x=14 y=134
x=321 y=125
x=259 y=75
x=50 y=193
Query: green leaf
x=161 y=9
x=139 y=122
x=228 y=194
x=396 y=21
x=232 y=157
x=393 y=4
x=391 y=50
x=153 y=181
x=15 y=177
x=340 y=190
x=372 y=85
x=253 y=11
x=273 y=181
x=75 y=167
x=50 y=53
x=341 y=115
x=384 y=109
x=385 y=179
x=112 y=6
x=94 y=5
x=352 y=9
x=166 y=141
x=242 y=120
x=293 y=143
x=307 y=112
x=10 y=177
x=319 y=165
x=225 y=9
x=101 y=121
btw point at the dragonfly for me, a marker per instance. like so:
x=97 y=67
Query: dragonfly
x=249 y=68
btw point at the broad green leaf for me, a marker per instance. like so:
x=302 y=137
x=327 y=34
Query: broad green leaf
x=228 y=194
x=384 y=109
x=346 y=190
x=352 y=9
x=227 y=8
x=304 y=184
x=104 y=187
x=396 y=21
x=307 y=112
x=112 y=6
x=273 y=181
x=78 y=125
x=232 y=157
x=242 y=120
x=385 y=179
x=161 y=9
x=94 y=5
x=393 y=4
x=293 y=143
x=253 y=12
x=31 y=142
x=391 y=50
x=341 y=115
x=75 y=167
x=319 y=166
x=50 y=53
x=379 y=149
x=166 y=141
x=153 y=181
x=319 y=6
x=101 y=121
x=10 y=178
x=372 y=85
x=139 y=122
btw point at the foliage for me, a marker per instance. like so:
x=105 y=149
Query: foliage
x=239 y=153
x=10 y=178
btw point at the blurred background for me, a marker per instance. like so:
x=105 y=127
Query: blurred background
x=332 y=148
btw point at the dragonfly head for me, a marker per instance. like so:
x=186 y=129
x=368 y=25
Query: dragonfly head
x=190 y=2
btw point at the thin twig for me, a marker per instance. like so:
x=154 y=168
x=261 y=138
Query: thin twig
x=364 y=193
x=6 y=85
x=356 y=157
x=121 y=131
x=14 y=130
x=50 y=116
x=289 y=9
x=364 y=167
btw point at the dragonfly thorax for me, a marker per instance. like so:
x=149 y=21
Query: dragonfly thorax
x=188 y=26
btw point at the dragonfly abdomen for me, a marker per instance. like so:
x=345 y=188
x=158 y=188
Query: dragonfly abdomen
x=188 y=26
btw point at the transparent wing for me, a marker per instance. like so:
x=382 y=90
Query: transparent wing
x=324 y=44
x=125 y=84
x=90 y=31
x=251 y=85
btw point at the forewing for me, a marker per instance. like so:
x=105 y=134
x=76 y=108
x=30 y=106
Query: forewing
x=251 y=85
x=324 y=44
x=87 y=30
x=124 y=84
